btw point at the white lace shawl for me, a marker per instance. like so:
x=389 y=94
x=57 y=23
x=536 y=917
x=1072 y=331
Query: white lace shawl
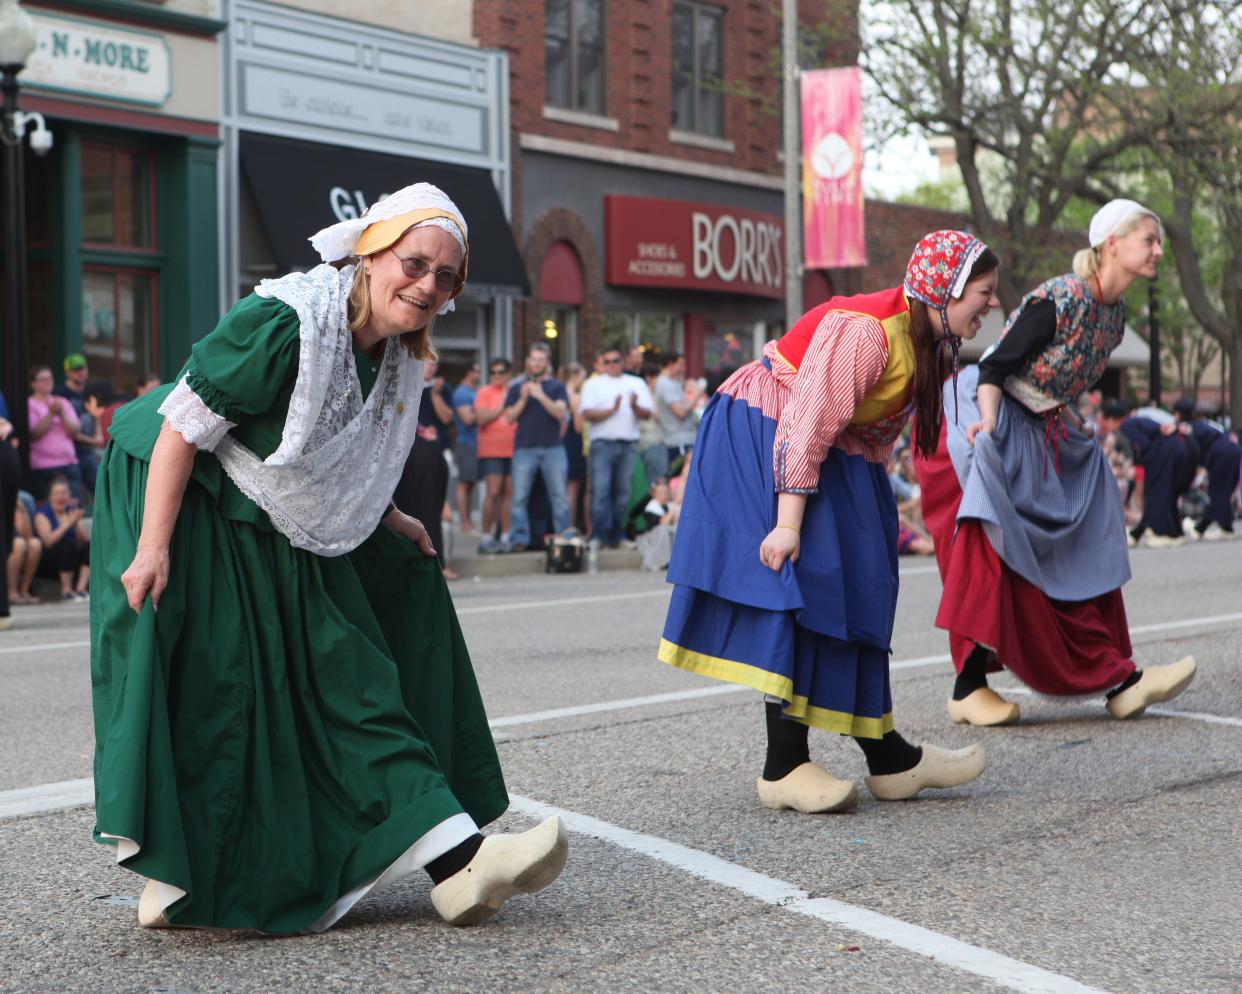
x=328 y=483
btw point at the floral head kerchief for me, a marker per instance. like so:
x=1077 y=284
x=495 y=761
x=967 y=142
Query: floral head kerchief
x=937 y=273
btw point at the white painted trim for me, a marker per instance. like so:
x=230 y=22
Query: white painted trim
x=644 y=160
x=1013 y=974
x=701 y=141
x=581 y=119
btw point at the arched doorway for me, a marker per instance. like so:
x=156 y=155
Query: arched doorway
x=561 y=293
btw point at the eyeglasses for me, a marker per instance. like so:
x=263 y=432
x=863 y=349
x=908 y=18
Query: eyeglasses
x=499 y=371
x=612 y=362
x=415 y=268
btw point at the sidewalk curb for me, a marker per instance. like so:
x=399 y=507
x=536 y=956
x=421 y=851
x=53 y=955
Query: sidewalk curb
x=531 y=563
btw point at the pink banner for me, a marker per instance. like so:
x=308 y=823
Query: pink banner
x=832 y=162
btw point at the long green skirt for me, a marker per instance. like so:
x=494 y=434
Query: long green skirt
x=286 y=726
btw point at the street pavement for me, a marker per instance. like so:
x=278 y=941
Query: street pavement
x=1092 y=855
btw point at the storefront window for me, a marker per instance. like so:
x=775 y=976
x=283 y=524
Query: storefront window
x=657 y=333
x=560 y=334
x=727 y=347
x=618 y=331
x=118 y=307
x=459 y=339
x=653 y=333
x=117 y=196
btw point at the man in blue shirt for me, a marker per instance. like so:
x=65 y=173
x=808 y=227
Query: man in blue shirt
x=538 y=406
x=466 y=448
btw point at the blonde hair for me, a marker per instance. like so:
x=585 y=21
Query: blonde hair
x=417 y=343
x=1087 y=261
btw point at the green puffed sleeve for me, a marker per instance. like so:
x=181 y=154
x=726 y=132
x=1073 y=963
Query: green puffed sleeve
x=244 y=371
x=247 y=363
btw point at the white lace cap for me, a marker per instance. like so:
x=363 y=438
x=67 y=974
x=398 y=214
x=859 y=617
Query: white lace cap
x=1109 y=217
x=339 y=240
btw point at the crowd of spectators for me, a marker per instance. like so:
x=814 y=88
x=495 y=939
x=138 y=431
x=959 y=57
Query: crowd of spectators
x=45 y=508
x=570 y=453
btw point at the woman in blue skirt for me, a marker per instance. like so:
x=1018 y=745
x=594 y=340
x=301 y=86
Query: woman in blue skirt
x=785 y=564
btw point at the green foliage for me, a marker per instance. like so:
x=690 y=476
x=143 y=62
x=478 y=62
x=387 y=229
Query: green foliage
x=1075 y=103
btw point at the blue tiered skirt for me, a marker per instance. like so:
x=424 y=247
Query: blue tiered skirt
x=817 y=634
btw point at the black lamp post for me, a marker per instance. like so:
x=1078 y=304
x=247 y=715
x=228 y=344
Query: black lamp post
x=17 y=40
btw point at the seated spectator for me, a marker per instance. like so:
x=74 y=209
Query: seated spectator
x=66 y=543
x=677 y=485
x=659 y=519
x=24 y=559
x=53 y=425
x=912 y=537
x=913 y=543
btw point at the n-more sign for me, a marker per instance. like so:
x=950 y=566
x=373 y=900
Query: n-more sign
x=679 y=243
x=98 y=60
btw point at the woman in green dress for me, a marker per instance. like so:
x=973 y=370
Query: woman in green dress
x=285 y=712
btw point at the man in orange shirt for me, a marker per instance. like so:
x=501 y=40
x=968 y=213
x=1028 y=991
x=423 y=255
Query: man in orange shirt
x=496 y=434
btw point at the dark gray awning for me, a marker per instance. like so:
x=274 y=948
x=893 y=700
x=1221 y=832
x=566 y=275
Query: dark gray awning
x=300 y=187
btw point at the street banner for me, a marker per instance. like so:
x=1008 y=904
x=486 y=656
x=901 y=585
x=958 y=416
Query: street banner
x=832 y=161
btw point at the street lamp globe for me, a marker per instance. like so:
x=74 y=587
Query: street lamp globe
x=17 y=34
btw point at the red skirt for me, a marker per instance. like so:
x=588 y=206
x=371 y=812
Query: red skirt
x=1054 y=647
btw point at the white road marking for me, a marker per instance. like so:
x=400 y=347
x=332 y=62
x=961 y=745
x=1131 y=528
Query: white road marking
x=617 y=705
x=1211 y=719
x=46 y=645
x=46 y=797
x=996 y=967
x=916 y=662
x=1172 y=626
x=1214 y=719
x=1003 y=970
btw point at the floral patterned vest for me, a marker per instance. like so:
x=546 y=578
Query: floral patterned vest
x=1087 y=332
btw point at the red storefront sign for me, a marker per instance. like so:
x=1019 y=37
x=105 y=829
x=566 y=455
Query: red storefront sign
x=679 y=243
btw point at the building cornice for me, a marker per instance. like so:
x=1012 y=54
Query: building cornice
x=133 y=12
x=645 y=160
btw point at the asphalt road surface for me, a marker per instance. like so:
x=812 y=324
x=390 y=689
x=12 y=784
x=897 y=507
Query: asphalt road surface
x=1092 y=855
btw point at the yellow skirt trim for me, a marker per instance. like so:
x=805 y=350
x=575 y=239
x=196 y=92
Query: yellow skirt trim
x=766 y=682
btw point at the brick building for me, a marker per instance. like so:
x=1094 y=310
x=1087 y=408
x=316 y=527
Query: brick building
x=647 y=140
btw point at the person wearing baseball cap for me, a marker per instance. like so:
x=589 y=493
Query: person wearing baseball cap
x=299 y=723
x=86 y=440
x=1028 y=523
x=785 y=564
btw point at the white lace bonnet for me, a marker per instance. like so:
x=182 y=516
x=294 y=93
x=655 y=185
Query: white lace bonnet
x=385 y=221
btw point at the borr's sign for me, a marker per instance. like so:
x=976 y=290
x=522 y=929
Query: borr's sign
x=678 y=243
